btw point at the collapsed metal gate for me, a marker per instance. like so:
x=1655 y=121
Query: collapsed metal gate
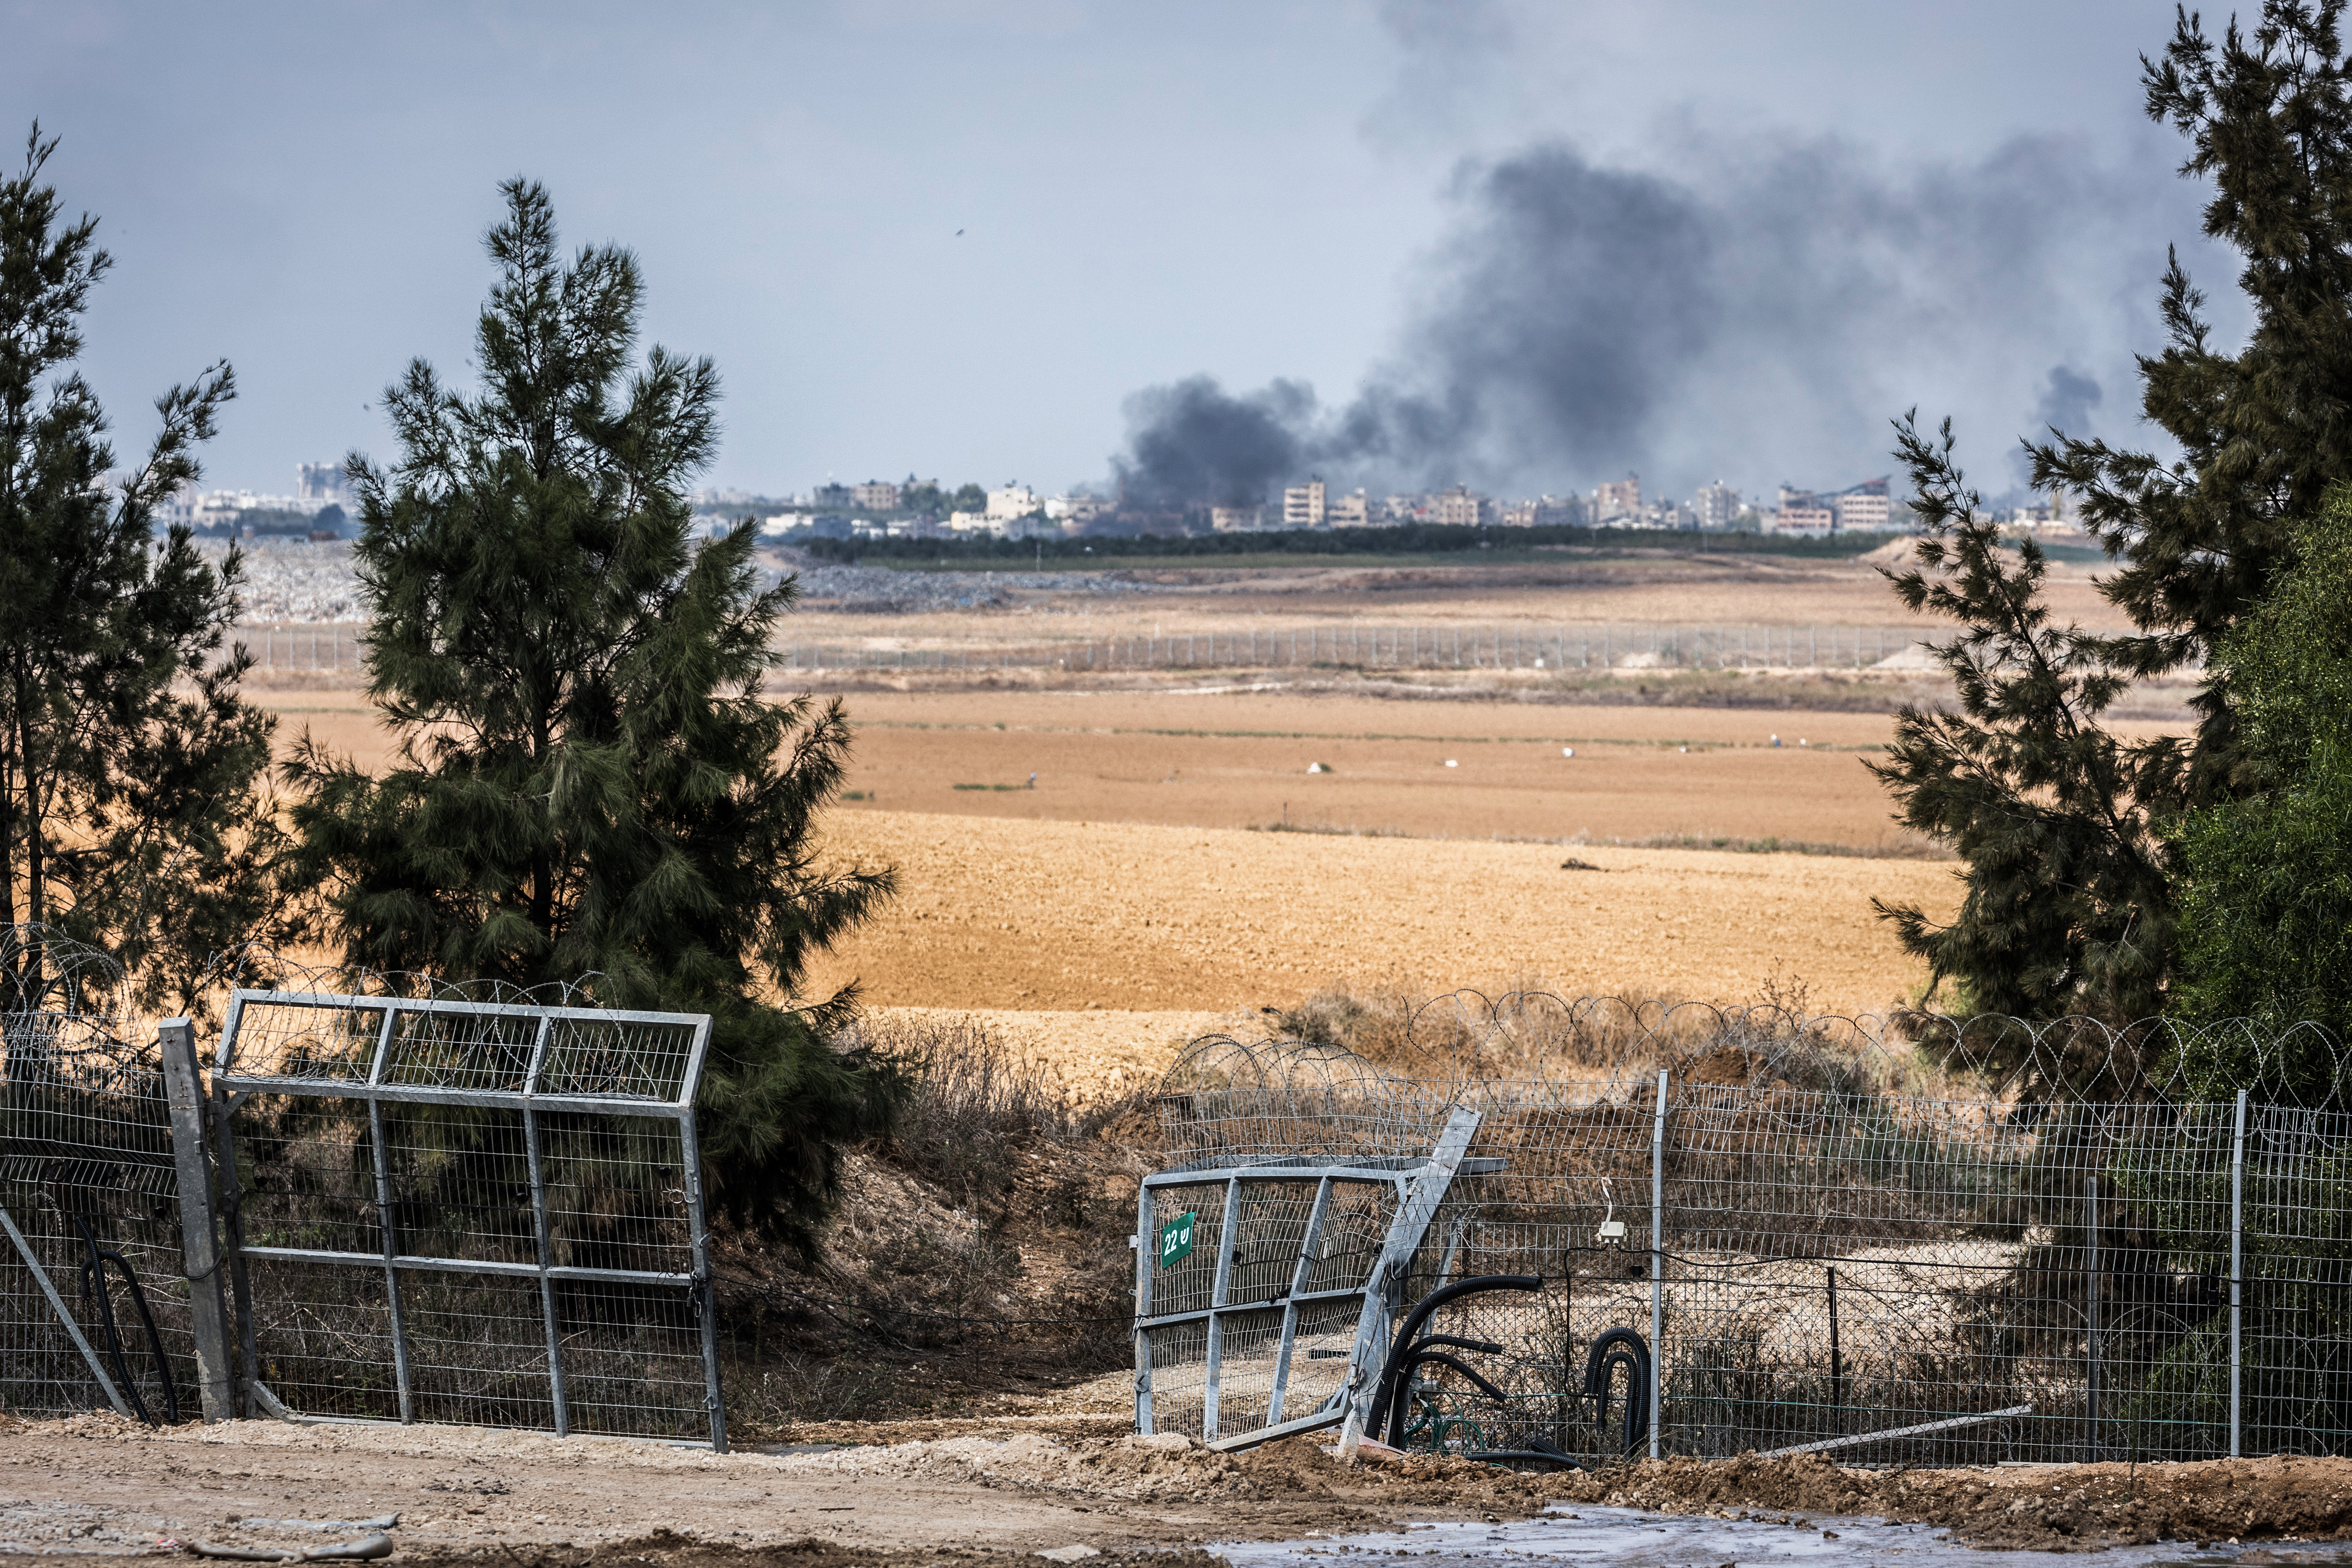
x=468 y=1212
x=1271 y=1257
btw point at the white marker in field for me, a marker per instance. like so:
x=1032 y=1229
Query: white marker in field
x=1451 y=763
x=1567 y=751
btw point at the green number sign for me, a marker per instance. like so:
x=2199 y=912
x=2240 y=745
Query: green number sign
x=1176 y=1239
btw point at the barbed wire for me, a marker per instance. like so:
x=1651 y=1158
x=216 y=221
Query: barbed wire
x=1530 y=1047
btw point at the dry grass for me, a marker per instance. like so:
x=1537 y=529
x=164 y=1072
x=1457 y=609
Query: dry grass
x=980 y=1247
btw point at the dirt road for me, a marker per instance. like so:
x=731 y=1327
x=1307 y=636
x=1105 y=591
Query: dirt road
x=96 y=1483
x=103 y=1486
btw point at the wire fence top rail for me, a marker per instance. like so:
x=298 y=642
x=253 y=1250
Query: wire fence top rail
x=466 y=1052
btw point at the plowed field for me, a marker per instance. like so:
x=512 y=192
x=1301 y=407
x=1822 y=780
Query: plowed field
x=1124 y=903
x=1146 y=917
x=1458 y=769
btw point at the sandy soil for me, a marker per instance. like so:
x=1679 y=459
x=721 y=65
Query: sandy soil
x=1028 y=916
x=97 y=1484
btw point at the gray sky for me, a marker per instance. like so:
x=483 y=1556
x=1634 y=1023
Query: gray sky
x=1865 y=206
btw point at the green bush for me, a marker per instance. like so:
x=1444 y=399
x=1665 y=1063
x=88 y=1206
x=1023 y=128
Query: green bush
x=2266 y=904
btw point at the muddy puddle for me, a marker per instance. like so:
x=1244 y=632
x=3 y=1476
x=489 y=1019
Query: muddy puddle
x=1630 y=1538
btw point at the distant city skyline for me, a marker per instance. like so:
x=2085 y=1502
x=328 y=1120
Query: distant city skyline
x=1599 y=240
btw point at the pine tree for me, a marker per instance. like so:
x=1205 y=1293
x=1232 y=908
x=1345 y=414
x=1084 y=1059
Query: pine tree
x=590 y=781
x=131 y=769
x=2067 y=905
x=2069 y=874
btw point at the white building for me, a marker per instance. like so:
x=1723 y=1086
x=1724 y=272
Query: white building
x=1303 y=506
x=1237 y=520
x=1353 y=511
x=1015 y=500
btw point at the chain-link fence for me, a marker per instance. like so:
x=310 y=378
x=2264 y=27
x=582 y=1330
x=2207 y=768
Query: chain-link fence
x=1382 y=646
x=1921 y=1241
x=333 y=649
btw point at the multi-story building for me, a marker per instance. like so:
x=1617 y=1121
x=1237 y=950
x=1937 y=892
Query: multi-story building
x=1864 y=509
x=1715 y=506
x=1803 y=512
x=1618 y=500
x=874 y=495
x=1459 y=509
x=1302 y=505
x=1353 y=511
x=831 y=495
x=1237 y=520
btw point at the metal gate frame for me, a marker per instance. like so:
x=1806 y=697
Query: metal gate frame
x=229 y=1087
x=1420 y=1186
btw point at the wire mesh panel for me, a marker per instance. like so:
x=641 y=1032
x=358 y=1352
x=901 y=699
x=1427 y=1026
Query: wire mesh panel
x=1762 y=1233
x=1254 y=1273
x=88 y=1180
x=470 y=1212
x=2296 y=1330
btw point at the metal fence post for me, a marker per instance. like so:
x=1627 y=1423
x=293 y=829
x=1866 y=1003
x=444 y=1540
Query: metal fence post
x=542 y=1232
x=390 y=1232
x=1225 y=1242
x=200 y=1255
x=1147 y=1252
x=224 y=1132
x=1657 y=1264
x=2237 y=1275
x=2090 y=1299
x=706 y=1287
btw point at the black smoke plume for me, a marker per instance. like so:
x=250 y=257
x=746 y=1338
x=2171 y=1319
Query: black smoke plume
x=1761 y=313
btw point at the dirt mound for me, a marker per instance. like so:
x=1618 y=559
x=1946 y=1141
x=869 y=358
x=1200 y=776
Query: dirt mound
x=2074 y=1507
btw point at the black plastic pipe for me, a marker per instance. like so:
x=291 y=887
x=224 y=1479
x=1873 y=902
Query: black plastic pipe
x=1404 y=1345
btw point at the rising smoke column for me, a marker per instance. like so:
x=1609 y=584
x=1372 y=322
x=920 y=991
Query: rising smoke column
x=1762 y=312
